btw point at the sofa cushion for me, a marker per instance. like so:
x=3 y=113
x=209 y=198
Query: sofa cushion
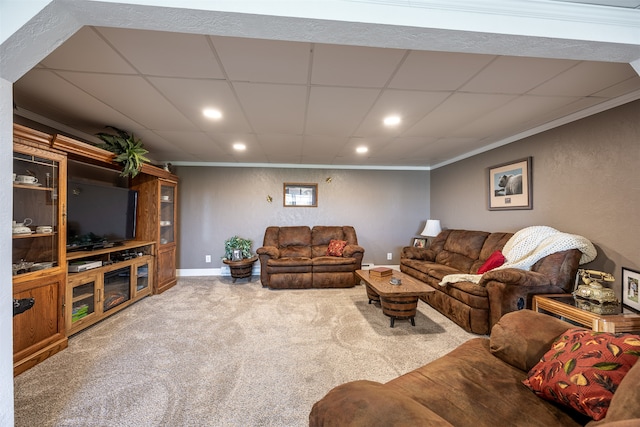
x=294 y=236
x=289 y=265
x=461 y=249
x=583 y=369
x=515 y=341
x=336 y=247
x=368 y=404
x=495 y=260
x=469 y=386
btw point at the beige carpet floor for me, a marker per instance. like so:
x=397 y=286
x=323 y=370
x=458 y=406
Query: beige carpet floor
x=209 y=352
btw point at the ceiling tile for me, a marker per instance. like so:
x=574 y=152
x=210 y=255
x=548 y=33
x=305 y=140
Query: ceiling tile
x=402 y=147
x=630 y=85
x=411 y=106
x=337 y=111
x=325 y=147
x=87 y=51
x=517 y=75
x=512 y=116
x=40 y=91
x=278 y=147
x=586 y=78
x=191 y=142
x=132 y=96
x=353 y=66
x=438 y=70
x=159 y=53
x=460 y=108
x=273 y=108
x=264 y=61
x=191 y=96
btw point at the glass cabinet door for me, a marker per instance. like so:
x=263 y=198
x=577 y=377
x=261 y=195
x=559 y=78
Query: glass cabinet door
x=117 y=288
x=167 y=213
x=142 y=277
x=83 y=300
x=36 y=228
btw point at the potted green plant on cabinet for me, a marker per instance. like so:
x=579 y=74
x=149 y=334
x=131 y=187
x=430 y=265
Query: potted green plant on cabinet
x=128 y=150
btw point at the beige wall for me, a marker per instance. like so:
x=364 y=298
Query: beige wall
x=586 y=180
x=387 y=208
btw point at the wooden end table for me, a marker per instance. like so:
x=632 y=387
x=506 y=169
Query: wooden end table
x=242 y=268
x=565 y=305
x=397 y=301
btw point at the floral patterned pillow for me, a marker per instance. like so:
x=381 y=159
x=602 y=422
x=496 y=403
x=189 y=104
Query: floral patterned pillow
x=583 y=368
x=336 y=247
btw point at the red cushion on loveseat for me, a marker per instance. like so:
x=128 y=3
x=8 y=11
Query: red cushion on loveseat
x=496 y=259
x=336 y=247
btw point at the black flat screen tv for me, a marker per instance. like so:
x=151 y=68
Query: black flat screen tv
x=99 y=215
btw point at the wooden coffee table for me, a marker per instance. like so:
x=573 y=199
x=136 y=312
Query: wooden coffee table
x=397 y=301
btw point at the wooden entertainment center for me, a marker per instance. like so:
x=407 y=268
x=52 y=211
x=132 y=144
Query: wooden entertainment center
x=51 y=302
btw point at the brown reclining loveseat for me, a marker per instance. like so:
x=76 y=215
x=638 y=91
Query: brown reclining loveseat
x=297 y=257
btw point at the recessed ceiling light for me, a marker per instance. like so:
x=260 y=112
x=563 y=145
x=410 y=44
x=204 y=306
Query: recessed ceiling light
x=362 y=149
x=239 y=146
x=392 y=120
x=212 y=113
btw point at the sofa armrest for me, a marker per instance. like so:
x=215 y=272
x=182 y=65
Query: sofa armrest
x=270 y=251
x=513 y=289
x=367 y=403
x=422 y=254
x=515 y=276
x=352 y=251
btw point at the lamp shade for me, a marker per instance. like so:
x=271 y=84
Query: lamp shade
x=432 y=229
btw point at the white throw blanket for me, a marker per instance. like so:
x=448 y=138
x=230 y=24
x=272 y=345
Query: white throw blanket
x=528 y=246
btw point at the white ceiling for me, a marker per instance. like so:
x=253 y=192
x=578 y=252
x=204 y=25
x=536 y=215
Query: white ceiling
x=306 y=103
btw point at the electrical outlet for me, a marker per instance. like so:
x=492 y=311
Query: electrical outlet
x=207 y=258
x=389 y=256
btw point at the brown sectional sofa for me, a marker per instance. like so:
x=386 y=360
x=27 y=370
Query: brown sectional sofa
x=296 y=257
x=476 y=307
x=478 y=384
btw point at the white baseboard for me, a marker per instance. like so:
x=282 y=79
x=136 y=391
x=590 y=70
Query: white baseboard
x=370 y=266
x=224 y=270
x=220 y=271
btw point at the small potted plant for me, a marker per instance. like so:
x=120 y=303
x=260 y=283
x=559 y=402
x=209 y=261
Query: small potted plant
x=242 y=248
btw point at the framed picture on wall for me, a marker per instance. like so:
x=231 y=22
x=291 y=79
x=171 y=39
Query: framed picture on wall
x=510 y=185
x=630 y=287
x=300 y=195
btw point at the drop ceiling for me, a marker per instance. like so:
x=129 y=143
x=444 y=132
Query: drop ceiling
x=305 y=103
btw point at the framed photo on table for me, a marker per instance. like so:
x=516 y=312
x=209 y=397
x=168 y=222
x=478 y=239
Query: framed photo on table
x=510 y=185
x=630 y=287
x=419 y=242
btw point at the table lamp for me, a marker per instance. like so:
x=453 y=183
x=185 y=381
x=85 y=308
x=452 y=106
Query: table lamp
x=432 y=228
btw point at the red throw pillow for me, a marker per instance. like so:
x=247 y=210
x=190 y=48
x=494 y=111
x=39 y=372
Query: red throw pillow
x=336 y=247
x=496 y=259
x=583 y=368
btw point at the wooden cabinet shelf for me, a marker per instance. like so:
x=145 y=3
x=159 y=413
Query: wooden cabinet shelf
x=69 y=302
x=158 y=214
x=98 y=293
x=81 y=297
x=132 y=244
x=38 y=332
